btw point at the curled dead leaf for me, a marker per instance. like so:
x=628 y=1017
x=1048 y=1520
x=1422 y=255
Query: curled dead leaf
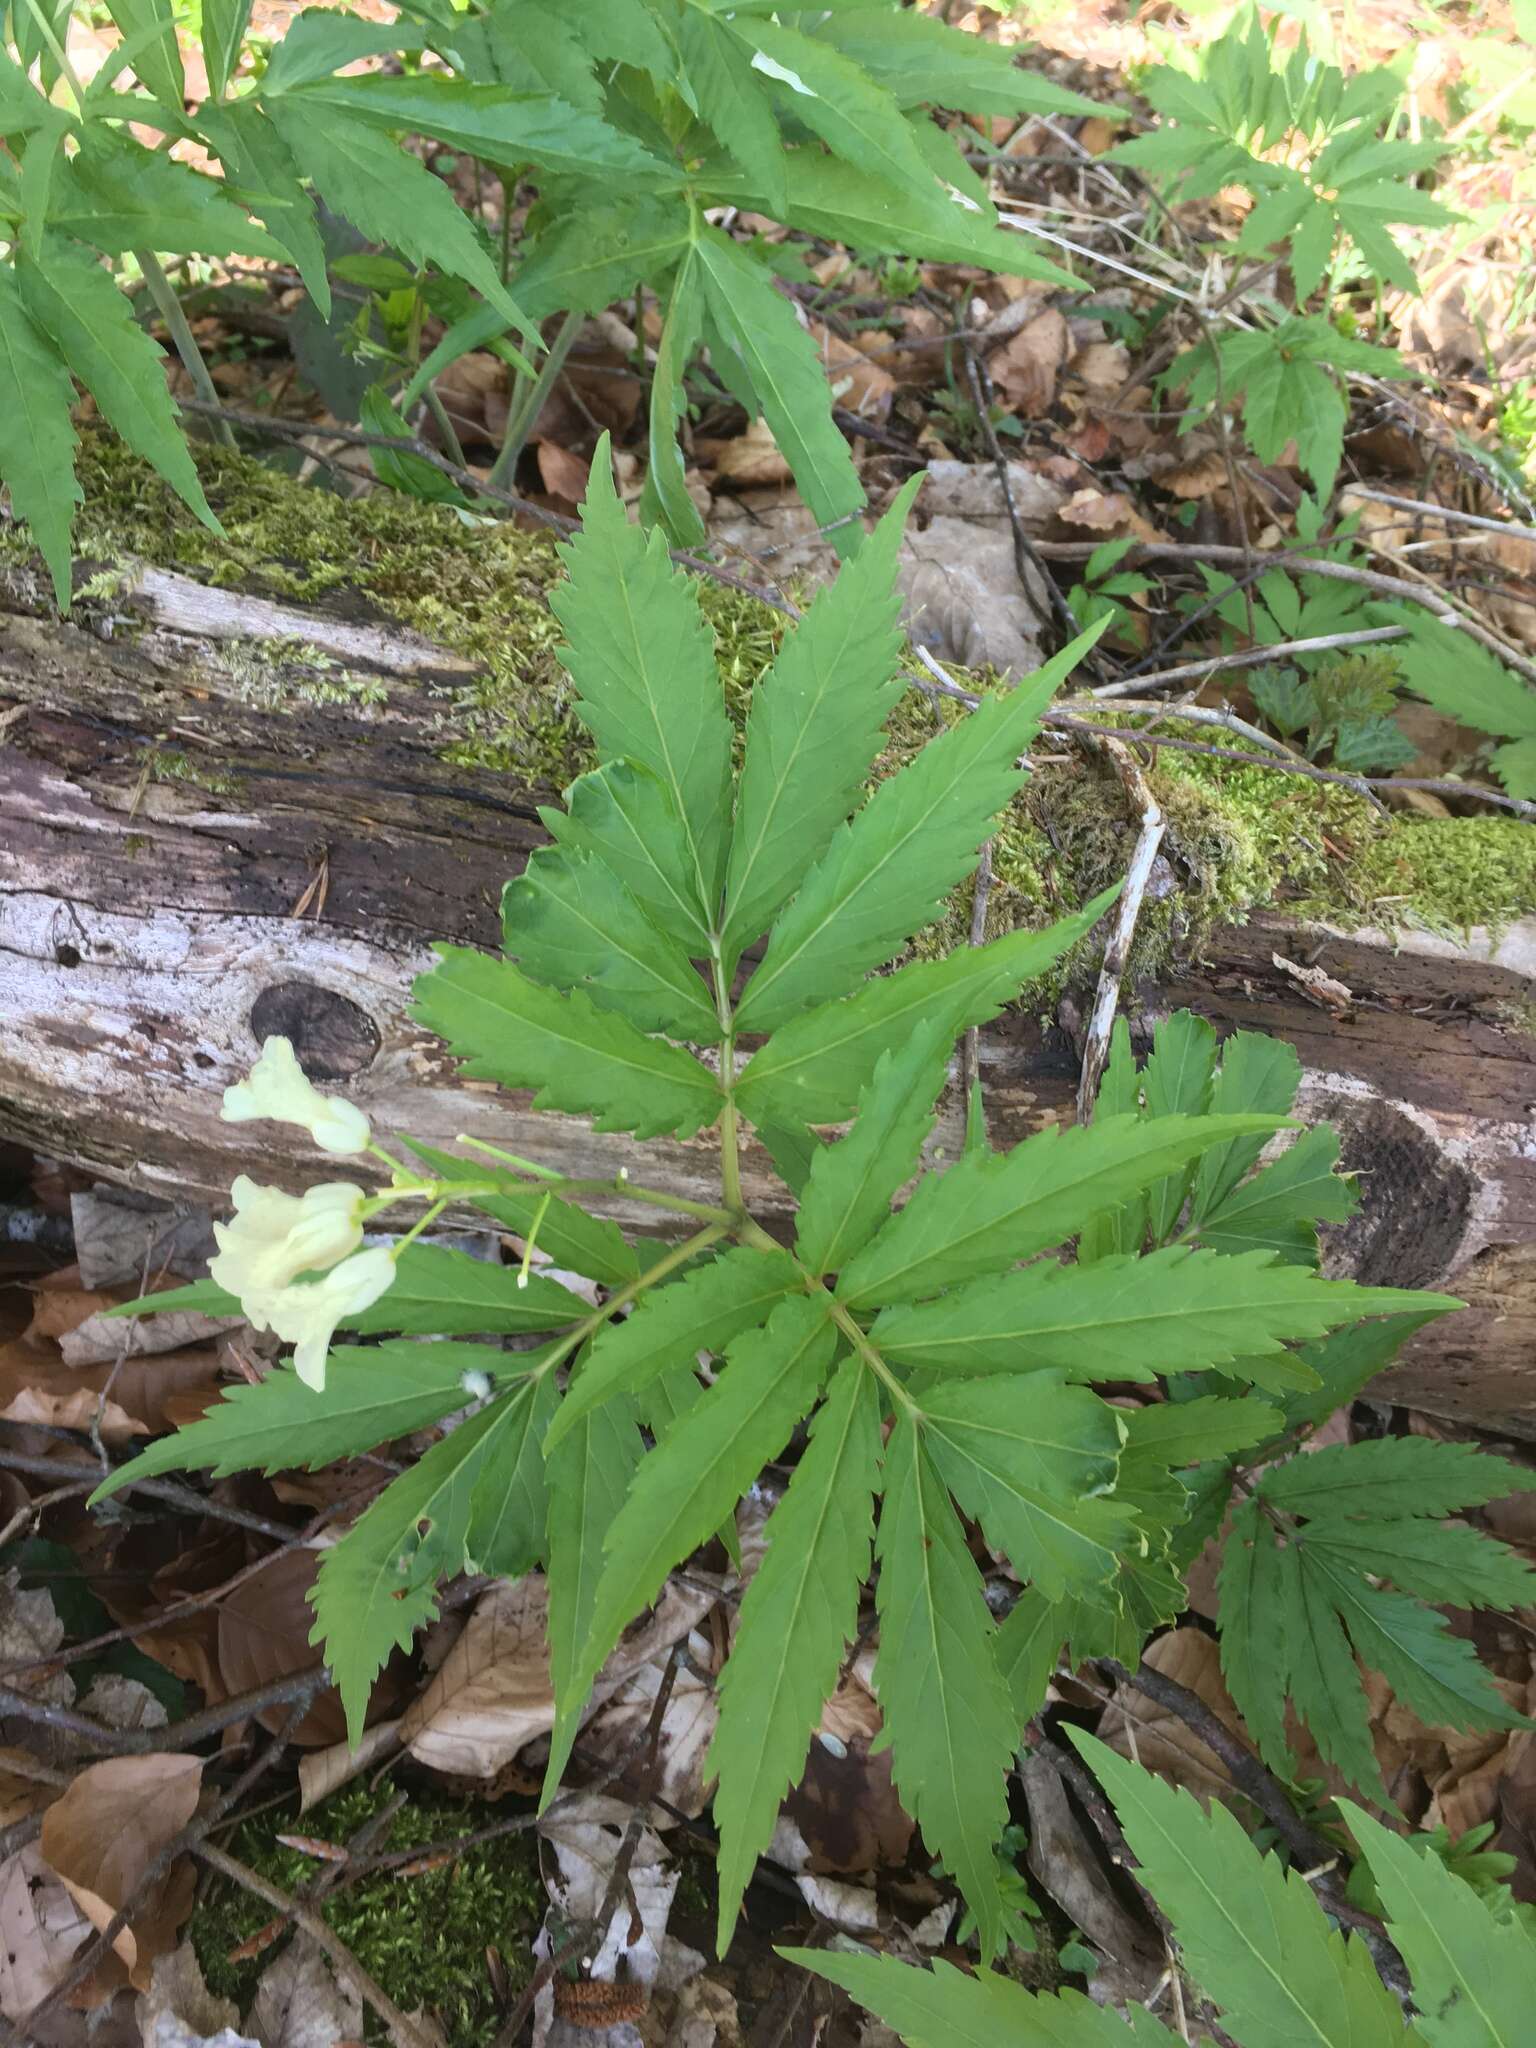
x=103 y=1834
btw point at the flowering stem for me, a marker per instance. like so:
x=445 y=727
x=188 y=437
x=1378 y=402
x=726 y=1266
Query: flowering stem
x=679 y=1255
x=418 y=1227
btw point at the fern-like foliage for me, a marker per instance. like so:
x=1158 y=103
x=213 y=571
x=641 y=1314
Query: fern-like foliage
x=942 y=1348
x=1252 y=1938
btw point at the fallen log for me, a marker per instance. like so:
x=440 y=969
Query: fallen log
x=192 y=862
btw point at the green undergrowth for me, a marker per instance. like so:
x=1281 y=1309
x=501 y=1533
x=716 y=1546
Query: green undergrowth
x=422 y=1938
x=1237 y=836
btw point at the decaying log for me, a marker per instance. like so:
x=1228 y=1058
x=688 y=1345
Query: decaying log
x=184 y=872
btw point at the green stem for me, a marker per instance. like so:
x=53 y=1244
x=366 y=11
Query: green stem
x=559 y=1184
x=520 y=421
x=59 y=54
x=871 y=1357
x=679 y=1255
x=445 y=427
x=185 y=341
x=429 y=1217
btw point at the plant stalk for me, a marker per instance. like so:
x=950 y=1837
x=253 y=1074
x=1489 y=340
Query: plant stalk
x=169 y=308
x=525 y=412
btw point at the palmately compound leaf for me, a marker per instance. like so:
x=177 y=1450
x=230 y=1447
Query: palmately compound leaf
x=622 y=815
x=758 y=344
x=641 y=657
x=77 y=304
x=816 y=726
x=852 y=1184
x=923 y=62
x=378 y=1585
x=798 y=1616
x=509 y=1029
x=992 y=1209
x=1256 y=1073
x=1473 y=1975
x=1177 y=1081
x=259 y=166
x=589 y=1472
x=948 y=1718
x=813 y=1068
x=1253 y=1934
x=369 y=1398
x=1032 y=1463
x=694 y=1477
x=702 y=1311
x=943 y=2007
x=37 y=440
x=1345 y=1580
x=571 y=923
x=573 y=1239
x=117 y=195
x=1122 y=1318
x=731 y=99
x=887 y=873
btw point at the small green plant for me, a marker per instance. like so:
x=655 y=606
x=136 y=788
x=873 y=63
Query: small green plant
x=634 y=120
x=1254 y=1940
x=698 y=951
x=1343 y=710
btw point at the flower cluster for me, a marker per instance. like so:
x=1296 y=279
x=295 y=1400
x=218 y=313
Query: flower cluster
x=274 y=1238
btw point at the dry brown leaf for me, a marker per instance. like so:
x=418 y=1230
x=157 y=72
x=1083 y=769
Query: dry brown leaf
x=324 y=1771
x=177 y=1993
x=845 y=1807
x=60 y=1304
x=1108 y=513
x=301 y=2004
x=107 y=1829
x=1025 y=371
x=40 y=1929
x=687 y=1729
x=858 y=371
x=263 y=1634
x=1197 y=479
x=1103 y=366
x=563 y=474
x=34 y=1387
x=493 y=1694
x=753 y=458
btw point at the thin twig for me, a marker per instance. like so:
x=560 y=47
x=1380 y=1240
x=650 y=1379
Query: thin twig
x=1024 y=556
x=181 y=1497
x=1249 y=657
x=1427 y=509
x=1117 y=950
x=183 y=1734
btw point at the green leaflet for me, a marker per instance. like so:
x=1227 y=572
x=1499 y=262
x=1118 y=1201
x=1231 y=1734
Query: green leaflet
x=1402 y=1475
x=835 y=98
x=623 y=816
x=581 y=1059
x=588 y=1473
x=694 y=1477
x=37 y=440
x=259 y=167
x=665 y=500
x=1256 y=1073
x=1252 y=1933
x=570 y=922
x=1177 y=1081
x=1121 y=1318
x=626 y=32
x=943 y=2007
x=507 y=129
x=948 y=1718
x=1280 y=1207
x=887 y=873
x=378 y=1585
x=703 y=1311
x=922 y=62
x=805 y=1593
x=573 y=1239
x=993 y=1209
x=812 y=1069
x=1474 y=1977
x=224 y=25
x=595 y=257
x=151 y=27
x=117 y=195
x=1253 y=1593
x=438 y=1292
x=369 y=1398
x=732 y=100
x=1124 y=1229
x=641 y=658
x=852 y=1184
x=816 y=726
x=321 y=41
x=754 y=328
x=1029 y=1643
x=1027 y=1462
x=75 y=302
x=387 y=194
x=1460 y=678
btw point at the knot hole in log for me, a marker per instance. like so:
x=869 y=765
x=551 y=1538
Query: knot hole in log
x=332 y=1037
x=1415 y=1203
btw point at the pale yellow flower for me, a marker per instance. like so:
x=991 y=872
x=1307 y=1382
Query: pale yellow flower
x=273 y=1237
x=278 y=1087
x=306 y=1316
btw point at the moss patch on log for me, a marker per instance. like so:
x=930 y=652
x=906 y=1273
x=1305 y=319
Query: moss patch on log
x=1237 y=836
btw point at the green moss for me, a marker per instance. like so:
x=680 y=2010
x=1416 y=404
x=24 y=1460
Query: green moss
x=422 y=1938
x=162 y=765
x=1236 y=837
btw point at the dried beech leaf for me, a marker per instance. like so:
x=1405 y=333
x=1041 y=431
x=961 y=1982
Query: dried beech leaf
x=107 y=1829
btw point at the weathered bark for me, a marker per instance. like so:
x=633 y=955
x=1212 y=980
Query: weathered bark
x=153 y=930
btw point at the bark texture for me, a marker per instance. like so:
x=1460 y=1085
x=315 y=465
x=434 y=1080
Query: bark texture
x=188 y=866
